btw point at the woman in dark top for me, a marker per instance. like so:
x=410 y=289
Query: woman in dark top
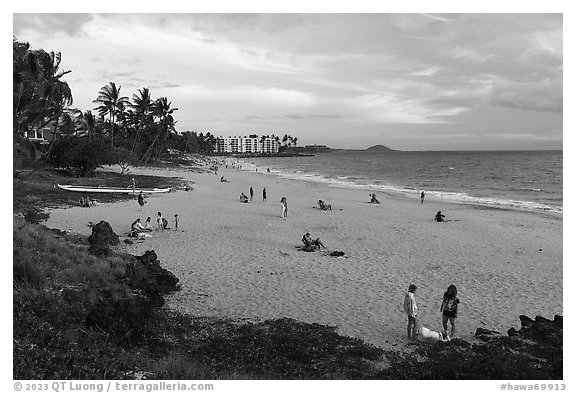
x=449 y=309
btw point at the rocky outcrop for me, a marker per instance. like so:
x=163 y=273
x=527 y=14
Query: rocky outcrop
x=125 y=308
x=144 y=273
x=102 y=238
x=540 y=329
x=534 y=352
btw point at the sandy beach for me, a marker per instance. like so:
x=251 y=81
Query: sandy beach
x=240 y=260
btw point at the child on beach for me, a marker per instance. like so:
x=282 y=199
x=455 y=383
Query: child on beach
x=175 y=221
x=159 y=223
x=148 y=225
x=284 y=207
x=411 y=311
x=449 y=309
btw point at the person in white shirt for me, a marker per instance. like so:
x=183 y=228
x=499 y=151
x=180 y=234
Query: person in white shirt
x=411 y=311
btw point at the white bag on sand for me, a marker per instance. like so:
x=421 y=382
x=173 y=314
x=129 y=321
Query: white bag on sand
x=429 y=335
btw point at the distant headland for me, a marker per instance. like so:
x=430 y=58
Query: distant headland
x=375 y=148
x=379 y=148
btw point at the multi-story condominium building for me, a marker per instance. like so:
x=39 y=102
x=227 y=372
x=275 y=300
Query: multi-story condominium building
x=247 y=144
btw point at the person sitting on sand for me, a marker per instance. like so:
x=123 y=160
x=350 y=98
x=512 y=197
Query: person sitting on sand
x=373 y=199
x=243 y=198
x=311 y=244
x=223 y=180
x=136 y=228
x=164 y=223
x=439 y=217
x=148 y=224
x=324 y=206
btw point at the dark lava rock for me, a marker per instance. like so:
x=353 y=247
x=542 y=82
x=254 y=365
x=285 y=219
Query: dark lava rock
x=145 y=274
x=542 y=330
x=102 y=238
x=486 y=334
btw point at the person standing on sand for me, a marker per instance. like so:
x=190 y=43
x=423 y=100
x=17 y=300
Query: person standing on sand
x=176 y=221
x=141 y=200
x=411 y=311
x=449 y=309
x=251 y=194
x=159 y=223
x=422 y=197
x=264 y=194
x=284 y=204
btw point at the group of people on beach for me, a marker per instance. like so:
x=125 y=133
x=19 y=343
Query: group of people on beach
x=161 y=224
x=448 y=308
x=245 y=199
x=85 y=201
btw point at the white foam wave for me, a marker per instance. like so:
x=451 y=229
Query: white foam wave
x=456 y=197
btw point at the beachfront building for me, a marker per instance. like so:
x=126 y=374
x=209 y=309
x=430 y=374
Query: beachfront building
x=247 y=144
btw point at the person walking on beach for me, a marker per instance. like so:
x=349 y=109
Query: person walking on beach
x=449 y=309
x=251 y=194
x=264 y=194
x=422 y=197
x=411 y=311
x=141 y=200
x=284 y=207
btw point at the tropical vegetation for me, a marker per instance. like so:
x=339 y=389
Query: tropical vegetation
x=139 y=129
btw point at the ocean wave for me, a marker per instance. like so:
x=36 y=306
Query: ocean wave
x=456 y=197
x=412 y=191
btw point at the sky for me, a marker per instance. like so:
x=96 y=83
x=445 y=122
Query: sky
x=347 y=80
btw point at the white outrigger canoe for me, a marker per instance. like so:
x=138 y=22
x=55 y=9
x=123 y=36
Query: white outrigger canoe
x=110 y=190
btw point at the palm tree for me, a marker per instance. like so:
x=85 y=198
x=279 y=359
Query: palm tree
x=142 y=107
x=39 y=94
x=110 y=104
x=88 y=124
x=162 y=110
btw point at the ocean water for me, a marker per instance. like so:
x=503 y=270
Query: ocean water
x=527 y=180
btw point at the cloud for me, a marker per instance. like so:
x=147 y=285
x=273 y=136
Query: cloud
x=388 y=108
x=50 y=24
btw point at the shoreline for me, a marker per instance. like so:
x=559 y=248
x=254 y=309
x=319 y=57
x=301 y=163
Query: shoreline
x=239 y=260
x=472 y=197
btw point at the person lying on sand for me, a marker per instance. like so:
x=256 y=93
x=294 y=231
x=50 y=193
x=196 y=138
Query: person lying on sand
x=324 y=206
x=311 y=244
x=243 y=198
